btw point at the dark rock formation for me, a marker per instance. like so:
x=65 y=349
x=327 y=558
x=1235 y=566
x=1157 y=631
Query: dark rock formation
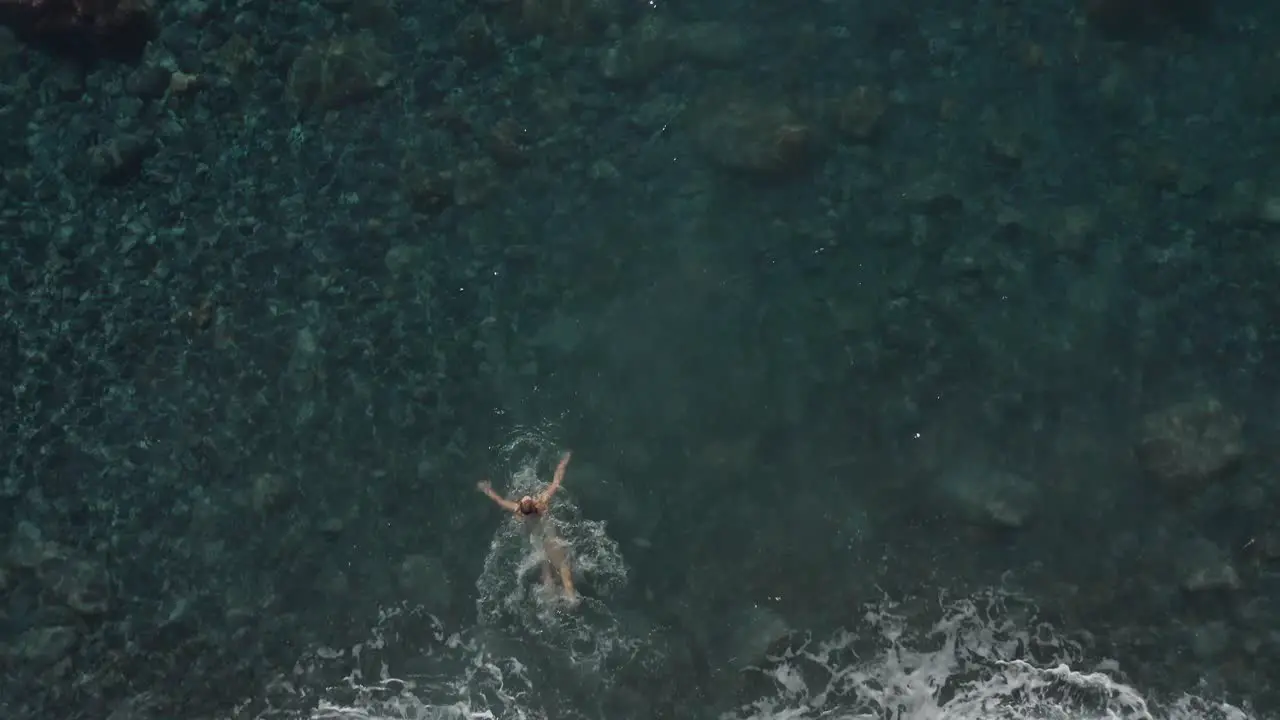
x=84 y=29
x=1132 y=19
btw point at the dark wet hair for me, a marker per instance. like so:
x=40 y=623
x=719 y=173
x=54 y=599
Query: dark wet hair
x=527 y=508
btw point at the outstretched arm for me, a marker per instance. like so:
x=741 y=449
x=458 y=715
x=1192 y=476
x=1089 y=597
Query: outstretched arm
x=555 y=481
x=503 y=503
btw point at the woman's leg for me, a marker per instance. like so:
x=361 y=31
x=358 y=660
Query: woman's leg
x=558 y=557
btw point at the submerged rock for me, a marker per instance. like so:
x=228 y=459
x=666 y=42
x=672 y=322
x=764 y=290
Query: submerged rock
x=1203 y=566
x=42 y=646
x=86 y=29
x=752 y=134
x=337 y=72
x=1131 y=19
x=1187 y=446
x=989 y=498
x=423 y=579
x=754 y=631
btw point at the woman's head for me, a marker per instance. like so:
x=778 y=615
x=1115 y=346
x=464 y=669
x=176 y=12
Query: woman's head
x=527 y=506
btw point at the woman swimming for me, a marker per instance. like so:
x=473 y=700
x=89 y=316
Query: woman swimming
x=532 y=512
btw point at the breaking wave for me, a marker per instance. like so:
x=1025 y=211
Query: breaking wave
x=985 y=659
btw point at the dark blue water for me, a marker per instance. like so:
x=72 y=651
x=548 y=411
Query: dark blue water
x=838 y=305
